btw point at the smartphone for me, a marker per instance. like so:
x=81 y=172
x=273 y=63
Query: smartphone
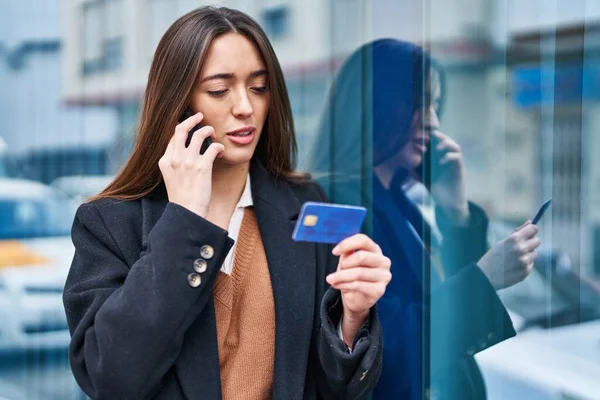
x=207 y=142
x=541 y=211
x=430 y=169
x=328 y=223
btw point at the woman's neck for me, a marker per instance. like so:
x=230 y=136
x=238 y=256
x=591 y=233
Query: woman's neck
x=385 y=171
x=228 y=184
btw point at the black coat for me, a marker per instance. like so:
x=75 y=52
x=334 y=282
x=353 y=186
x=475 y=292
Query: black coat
x=432 y=329
x=139 y=330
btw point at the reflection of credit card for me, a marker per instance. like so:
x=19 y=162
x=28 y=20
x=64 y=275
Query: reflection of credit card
x=328 y=223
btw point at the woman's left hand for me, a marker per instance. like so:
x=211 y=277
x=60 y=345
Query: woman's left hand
x=449 y=189
x=362 y=276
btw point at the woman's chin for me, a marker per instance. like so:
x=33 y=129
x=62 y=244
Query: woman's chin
x=239 y=157
x=410 y=157
x=415 y=160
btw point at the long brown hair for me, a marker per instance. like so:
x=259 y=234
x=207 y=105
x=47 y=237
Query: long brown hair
x=177 y=63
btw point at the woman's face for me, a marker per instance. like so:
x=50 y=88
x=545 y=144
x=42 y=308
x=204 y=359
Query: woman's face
x=424 y=121
x=233 y=94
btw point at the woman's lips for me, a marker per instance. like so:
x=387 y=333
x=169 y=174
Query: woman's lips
x=419 y=146
x=420 y=143
x=242 y=136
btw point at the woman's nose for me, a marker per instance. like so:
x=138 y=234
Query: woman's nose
x=431 y=118
x=243 y=106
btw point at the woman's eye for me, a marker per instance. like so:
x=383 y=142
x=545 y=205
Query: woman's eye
x=260 y=89
x=217 y=93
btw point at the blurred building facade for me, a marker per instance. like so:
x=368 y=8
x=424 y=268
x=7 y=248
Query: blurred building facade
x=526 y=137
x=553 y=70
x=41 y=132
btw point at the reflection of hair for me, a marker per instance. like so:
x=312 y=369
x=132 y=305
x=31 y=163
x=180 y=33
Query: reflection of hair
x=177 y=63
x=369 y=115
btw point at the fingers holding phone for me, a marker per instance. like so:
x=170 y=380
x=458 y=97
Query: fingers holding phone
x=184 y=167
x=181 y=137
x=207 y=141
x=202 y=143
x=448 y=186
x=445 y=150
x=511 y=260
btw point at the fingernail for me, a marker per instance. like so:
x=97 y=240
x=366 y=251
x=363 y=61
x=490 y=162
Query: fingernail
x=335 y=251
x=329 y=278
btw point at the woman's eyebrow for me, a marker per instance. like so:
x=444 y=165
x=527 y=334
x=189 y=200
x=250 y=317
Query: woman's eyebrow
x=260 y=72
x=218 y=76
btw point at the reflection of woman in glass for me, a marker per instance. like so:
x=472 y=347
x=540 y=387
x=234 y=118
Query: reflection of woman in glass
x=158 y=302
x=441 y=306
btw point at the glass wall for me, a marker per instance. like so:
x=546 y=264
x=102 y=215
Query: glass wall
x=451 y=121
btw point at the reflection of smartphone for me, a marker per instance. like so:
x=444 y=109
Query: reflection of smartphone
x=207 y=142
x=328 y=223
x=430 y=169
x=541 y=211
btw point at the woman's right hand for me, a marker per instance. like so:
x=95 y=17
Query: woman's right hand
x=511 y=260
x=186 y=172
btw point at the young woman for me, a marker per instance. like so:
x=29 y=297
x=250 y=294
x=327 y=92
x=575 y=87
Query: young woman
x=186 y=283
x=379 y=135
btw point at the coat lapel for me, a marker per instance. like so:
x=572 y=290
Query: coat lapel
x=292 y=266
x=405 y=234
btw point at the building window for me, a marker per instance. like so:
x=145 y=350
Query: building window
x=159 y=16
x=276 y=22
x=102 y=36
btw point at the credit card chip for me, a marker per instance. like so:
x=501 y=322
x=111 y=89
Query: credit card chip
x=310 y=220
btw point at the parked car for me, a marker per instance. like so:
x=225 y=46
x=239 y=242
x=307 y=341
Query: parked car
x=10 y=165
x=4 y=165
x=81 y=187
x=35 y=255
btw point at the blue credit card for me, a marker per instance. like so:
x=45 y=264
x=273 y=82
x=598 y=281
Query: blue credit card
x=328 y=223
